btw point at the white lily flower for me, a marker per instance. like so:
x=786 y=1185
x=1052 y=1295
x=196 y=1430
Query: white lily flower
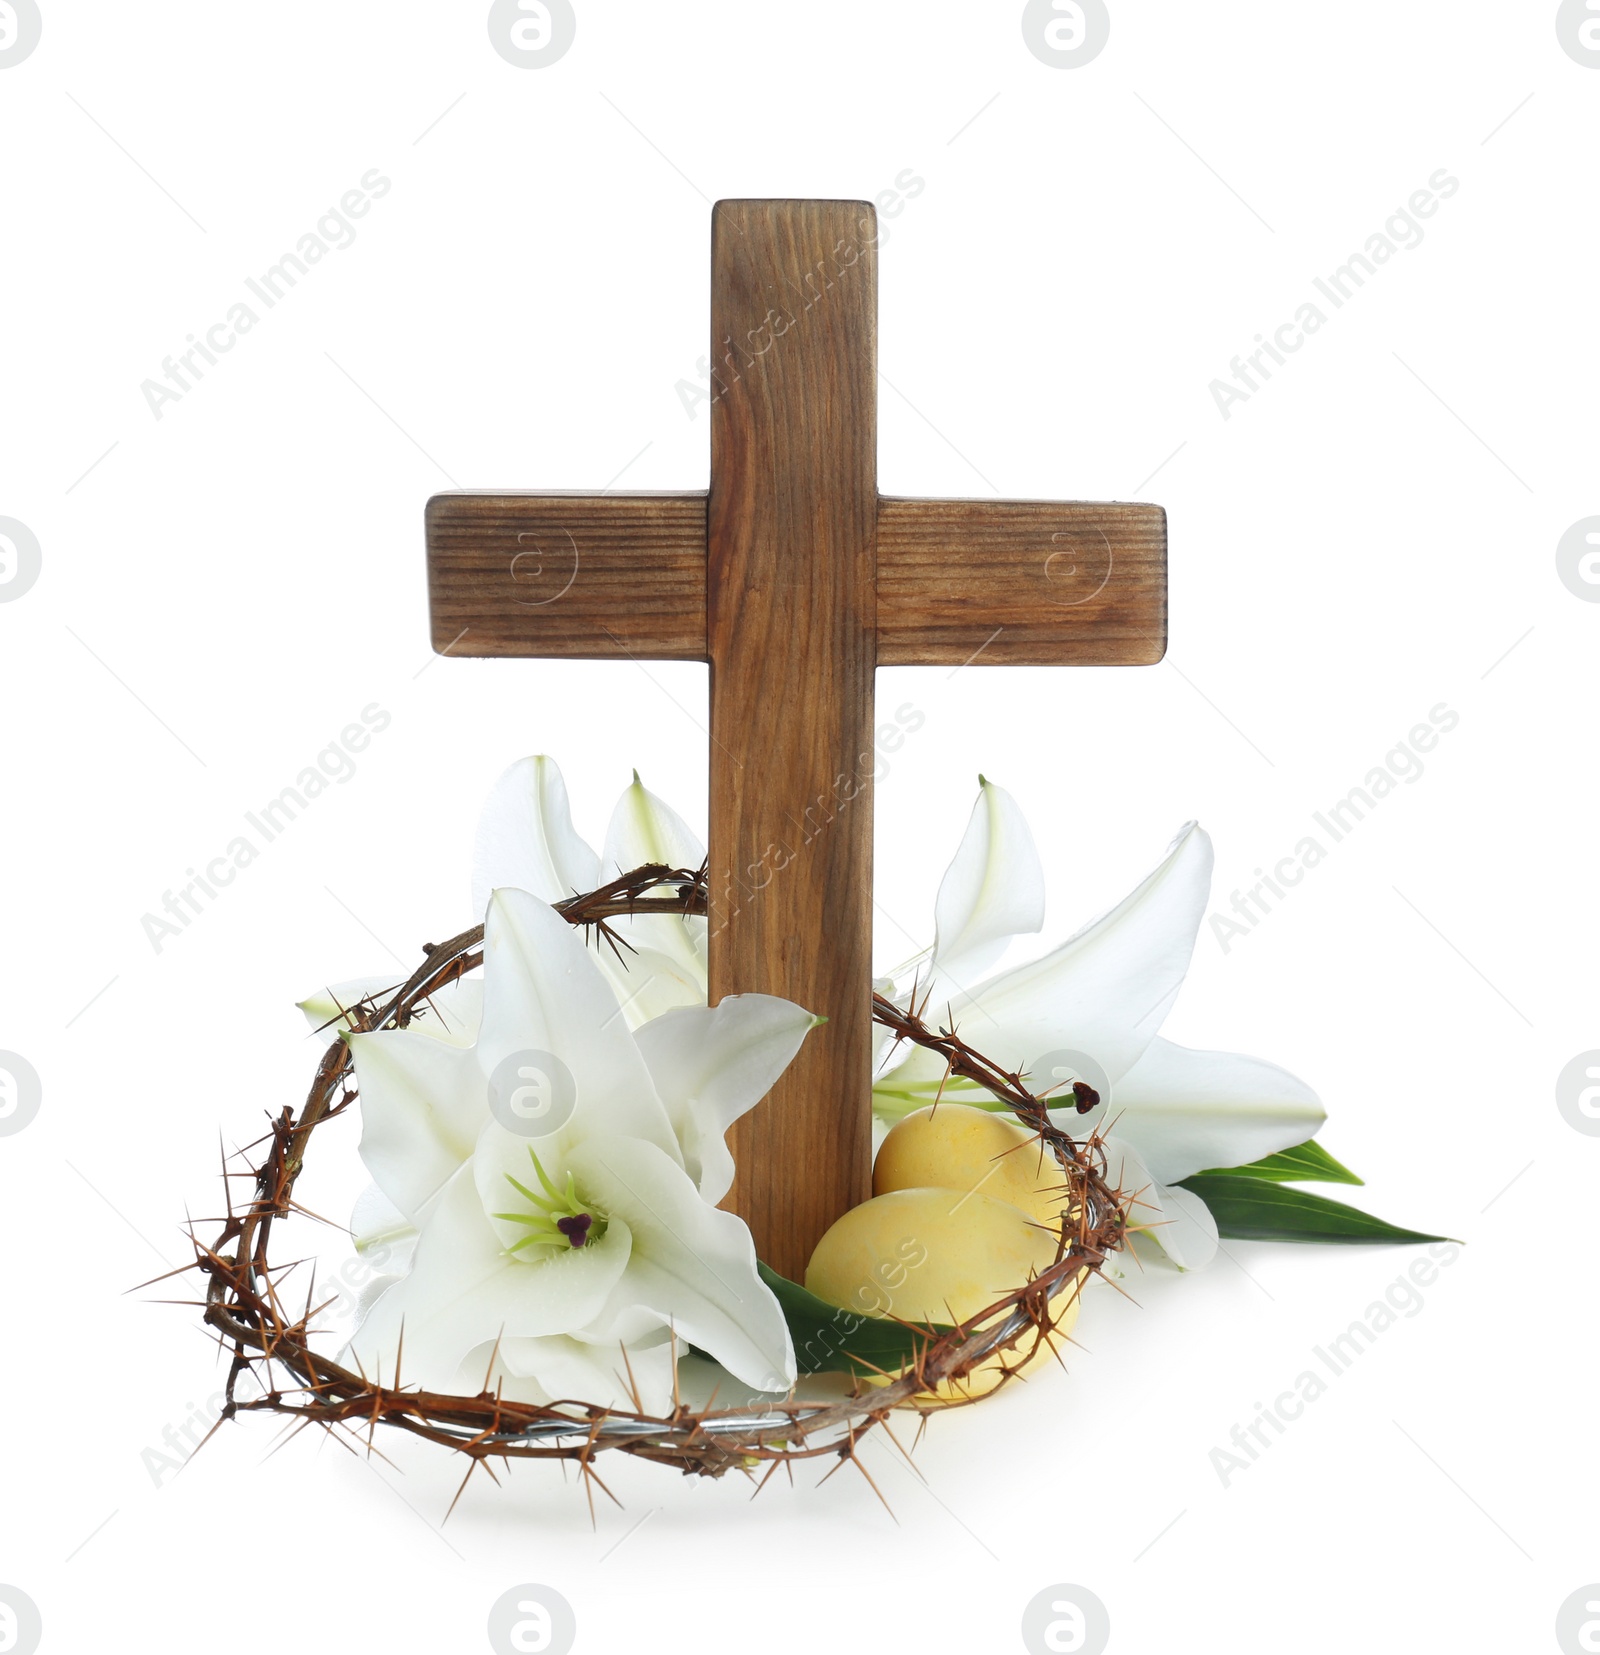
x=1177 y=1220
x=1090 y=1009
x=383 y=1235
x=526 y=839
x=452 y=1013
x=555 y=1182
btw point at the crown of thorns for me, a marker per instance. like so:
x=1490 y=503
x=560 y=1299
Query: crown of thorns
x=276 y=1369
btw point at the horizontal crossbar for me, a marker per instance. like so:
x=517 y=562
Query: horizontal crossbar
x=980 y=582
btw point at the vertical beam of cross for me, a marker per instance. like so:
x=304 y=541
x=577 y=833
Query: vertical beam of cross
x=791 y=585
x=794 y=579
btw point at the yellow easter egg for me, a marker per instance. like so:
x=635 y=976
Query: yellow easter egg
x=936 y=1255
x=954 y=1146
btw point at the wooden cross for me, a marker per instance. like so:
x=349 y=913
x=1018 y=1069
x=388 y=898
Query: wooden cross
x=795 y=579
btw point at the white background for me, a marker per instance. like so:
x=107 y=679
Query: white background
x=1365 y=539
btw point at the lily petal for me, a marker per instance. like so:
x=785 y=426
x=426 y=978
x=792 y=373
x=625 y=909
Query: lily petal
x=713 y=1064
x=692 y=1265
x=423 y=1104
x=385 y=1238
x=385 y=1242
x=664 y=962
x=327 y=1011
x=562 y=1369
x=653 y=973
x=543 y=993
x=464 y=1287
x=1178 y=1221
x=1187 y=1111
x=991 y=892
x=526 y=838
x=452 y=1013
x=647 y=829
x=1105 y=992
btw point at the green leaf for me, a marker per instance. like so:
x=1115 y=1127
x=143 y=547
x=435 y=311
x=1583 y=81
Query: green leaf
x=830 y=1340
x=1257 y=1209
x=1309 y=1163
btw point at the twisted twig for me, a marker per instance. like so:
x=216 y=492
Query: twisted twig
x=244 y=1307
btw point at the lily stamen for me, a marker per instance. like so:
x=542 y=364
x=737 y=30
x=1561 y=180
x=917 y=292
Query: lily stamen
x=559 y=1218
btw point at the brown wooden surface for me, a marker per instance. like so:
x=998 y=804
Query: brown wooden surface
x=993 y=582
x=569 y=575
x=1020 y=583
x=794 y=579
x=790 y=586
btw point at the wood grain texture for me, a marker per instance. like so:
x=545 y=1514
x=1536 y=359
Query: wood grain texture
x=795 y=581
x=791 y=594
x=577 y=576
x=1020 y=583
